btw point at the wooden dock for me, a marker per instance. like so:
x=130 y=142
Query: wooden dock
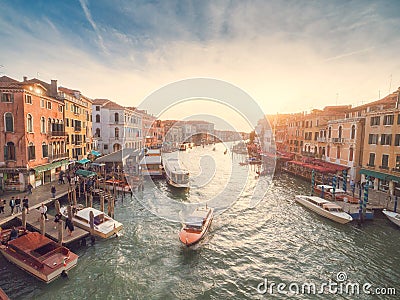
x=33 y=219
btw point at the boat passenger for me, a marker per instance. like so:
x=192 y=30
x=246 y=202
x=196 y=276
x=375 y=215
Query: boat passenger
x=13 y=234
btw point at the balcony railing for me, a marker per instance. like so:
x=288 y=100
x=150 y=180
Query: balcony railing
x=77 y=143
x=384 y=167
x=338 y=140
x=77 y=128
x=56 y=133
x=57 y=156
x=321 y=139
x=371 y=165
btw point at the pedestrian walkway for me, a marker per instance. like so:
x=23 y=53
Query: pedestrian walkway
x=41 y=194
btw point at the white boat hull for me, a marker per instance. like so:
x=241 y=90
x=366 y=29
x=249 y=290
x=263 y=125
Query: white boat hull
x=392 y=216
x=341 y=218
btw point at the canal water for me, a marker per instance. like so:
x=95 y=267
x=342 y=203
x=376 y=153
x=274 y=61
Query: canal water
x=247 y=246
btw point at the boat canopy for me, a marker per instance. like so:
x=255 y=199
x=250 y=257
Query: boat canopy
x=30 y=242
x=85 y=213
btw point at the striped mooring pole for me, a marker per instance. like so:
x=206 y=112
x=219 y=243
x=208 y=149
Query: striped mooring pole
x=312 y=182
x=334 y=180
x=366 y=187
x=345 y=180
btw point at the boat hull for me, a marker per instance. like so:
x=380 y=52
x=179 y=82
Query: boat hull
x=392 y=216
x=322 y=212
x=190 y=239
x=177 y=185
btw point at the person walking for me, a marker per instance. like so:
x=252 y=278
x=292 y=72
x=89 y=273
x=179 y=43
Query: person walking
x=29 y=187
x=53 y=191
x=2 y=205
x=25 y=203
x=12 y=205
x=43 y=211
x=69 y=225
x=18 y=204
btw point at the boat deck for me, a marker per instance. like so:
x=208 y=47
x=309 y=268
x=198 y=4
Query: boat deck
x=33 y=220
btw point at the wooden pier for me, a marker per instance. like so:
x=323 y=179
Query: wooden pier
x=33 y=219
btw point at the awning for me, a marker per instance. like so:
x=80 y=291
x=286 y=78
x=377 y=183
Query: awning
x=85 y=173
x=95 y=153
x=51 y=166
x=380 y=175
x=83 y=161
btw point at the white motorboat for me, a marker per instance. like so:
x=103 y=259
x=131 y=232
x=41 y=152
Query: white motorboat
x=104 y=226
x=325 y=208
x=175 y=174
x=392 y=216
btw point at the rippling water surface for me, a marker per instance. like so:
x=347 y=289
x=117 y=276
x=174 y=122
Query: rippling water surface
x=277 y=240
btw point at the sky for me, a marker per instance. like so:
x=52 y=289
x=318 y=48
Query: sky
x=289 y=56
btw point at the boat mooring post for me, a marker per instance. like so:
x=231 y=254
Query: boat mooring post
x=42 y=225
x=24 y=218
x=91 y=222
x=57 y=206
x=90 y=200
x=102 y=203
x=69 y=212
x=60 y=232
x=109 y=206
x=395 y=204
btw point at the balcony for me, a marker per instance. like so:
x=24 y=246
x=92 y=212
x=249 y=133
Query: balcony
x=338 y=140
x=321 y=139
x=56 y=133
x=77 y=128
x=77 y=143
x=57 y=156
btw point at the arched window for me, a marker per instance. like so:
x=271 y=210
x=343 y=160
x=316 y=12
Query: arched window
x=328 y=150
x=97 y=118
x=29 y=123
x=49 y=125
x=340 y=132
x=43 y=125
x=9 y=122
x=97 y=134
x=353 y=131
x=45 y=150
x=116 y=117
x=117 y=132
x=329 y=132
x=31 y=151
x=338 y=152
x=351 y=152
x=9 y=151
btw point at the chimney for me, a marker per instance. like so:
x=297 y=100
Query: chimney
x=53 y=88
x=25 y=79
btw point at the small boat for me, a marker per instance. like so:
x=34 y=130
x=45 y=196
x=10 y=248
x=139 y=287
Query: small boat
x=175 y=174
x=392 y=216
x=5 y=234
x=196 y=226
x=104 y=226
x=119 y=185
x=325 y=208
x=39 y=256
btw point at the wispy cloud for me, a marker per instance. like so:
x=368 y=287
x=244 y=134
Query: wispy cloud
x=88 y=15
x=349 y=54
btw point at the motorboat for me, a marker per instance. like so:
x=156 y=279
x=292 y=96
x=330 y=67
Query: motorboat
x=392 y=216
x=104 y=226
x=196 y=226
x=325 y=208
x=39 y=256
x=176 y=175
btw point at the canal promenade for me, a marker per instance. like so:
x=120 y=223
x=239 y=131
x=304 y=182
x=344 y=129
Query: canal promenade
x=41 y=194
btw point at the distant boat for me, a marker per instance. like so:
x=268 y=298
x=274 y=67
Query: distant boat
x=324 y=208
x=39 y=256
x=175 y=174
x=196 y=226
x=392 y=216
x=104 y=226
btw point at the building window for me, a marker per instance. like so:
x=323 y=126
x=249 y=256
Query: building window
x=388 y=120
x=328 y=150
x=375 y=120
x=29 y=123
x=97 y=134
x=9 y=151
x=338 y=152
x=42 y=103
x=9 y=122
x=385 y=161
x=105 y=147
x=48 y=105
x=353 y=132
x=97 y=118
x=398 y=119
x=351 y=153
x=329 y=132
x=7 y=97
x=31 y=151
x=116 y=131
x=45 y=150
x=397 y=140
x=371 y=162
x=340 y=132
x=116 y=117
x=373 y=139
x=397 y=166
x=66 y=122
x=97 y=108
x=28 y=99
x=386 y=139
x=60 y=108
x=42 y=125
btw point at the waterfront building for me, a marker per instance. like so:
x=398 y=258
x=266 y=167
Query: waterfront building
x=78 y=123
x=116 y=127
x=33 y=136
x=381 y=153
